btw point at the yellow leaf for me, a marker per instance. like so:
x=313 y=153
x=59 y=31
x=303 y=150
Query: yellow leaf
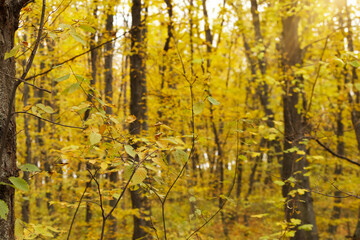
x=103 y=166
x=27 y=108
x=130 y=119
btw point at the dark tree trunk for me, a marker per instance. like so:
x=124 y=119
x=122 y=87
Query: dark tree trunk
x=93 y=63
x=297 y=206
x=25 y=208
x=109 y=49
x=9 y=19
x=138 y=109
x=263 y=87
x=216 y=132
x=354 y=101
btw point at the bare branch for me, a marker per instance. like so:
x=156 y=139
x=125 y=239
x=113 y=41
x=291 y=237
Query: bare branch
x=25 y=82
x=88 y=184
x=73 y=58
x=335 y=154
x=46 y=120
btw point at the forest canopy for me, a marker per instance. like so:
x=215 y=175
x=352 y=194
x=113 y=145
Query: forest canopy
x=170 y=119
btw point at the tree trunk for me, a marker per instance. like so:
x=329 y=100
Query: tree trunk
x=335 y=215
x=25 y=208
x=138 y=109
x=109 y=49
x=9 y=19
x=297 y=206
x=93 y=62
x=354 y=101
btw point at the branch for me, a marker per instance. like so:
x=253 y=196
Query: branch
x=37 y=43
x=335 y=154
x=77 y=209
x=25 y=82
x=23 y=3
x=73 y=58
x=128 y=182
x=46 y=120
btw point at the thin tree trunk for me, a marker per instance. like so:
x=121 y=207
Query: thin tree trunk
x=138 y=108
x=25 y=208
x=354 y=101
x=93 y=62
x=109 y=49
x=220 y=157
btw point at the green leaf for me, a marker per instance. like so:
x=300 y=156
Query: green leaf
x=198 y=107
x=72 y=88
x=12 y=52
x=128 y=171
x=280 y=183
x=87 y=28
x=198 y=212
x=63 y=78
x=306 y=227
x=295 y=221
x=19 y=229
x=213 y=101
x=46 y=109
x=130 y=150
x=78 y=38
x=339 y=62
x=100 y=101
x=4 y=210
x=29 y=168
x=139 y=176
x=192 y=199
x=79 y=77
x=19 y=183
x=94 y=138
x=180 y=156
x=355 y=64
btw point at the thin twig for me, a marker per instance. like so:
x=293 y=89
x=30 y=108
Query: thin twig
x=335 y=154
x=47 y=120
x=74 y=57
x=25 y=82
x=317 y=76
x=192 y=147
x=104 y=215
x=78 y=206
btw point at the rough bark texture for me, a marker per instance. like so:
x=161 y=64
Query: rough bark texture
x=297 y=206
x=9 y=18
x=109 y=49
x=340 y=149
x=25 y=208
x=93 y=63
x=138 y=109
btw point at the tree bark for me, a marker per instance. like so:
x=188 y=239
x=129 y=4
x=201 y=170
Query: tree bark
x=297 y=206
x=138 y=109
x=25 y=208
x=109 y=49
x=354 y=101
x=9 y=19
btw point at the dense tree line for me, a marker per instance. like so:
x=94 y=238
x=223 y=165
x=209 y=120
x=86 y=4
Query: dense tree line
x=171 y=119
